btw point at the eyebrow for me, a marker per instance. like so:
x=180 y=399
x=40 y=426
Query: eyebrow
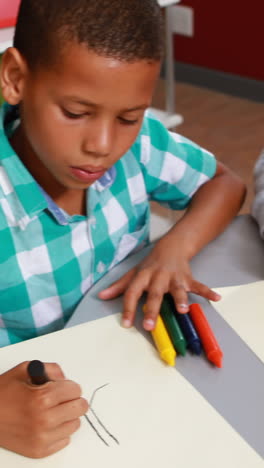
x=92 y=104
x=143 y=107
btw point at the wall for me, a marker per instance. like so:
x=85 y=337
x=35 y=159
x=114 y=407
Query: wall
x=229 y=37
x=8 y=12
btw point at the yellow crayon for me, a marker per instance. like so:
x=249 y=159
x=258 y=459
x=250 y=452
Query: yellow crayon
x=163 y=342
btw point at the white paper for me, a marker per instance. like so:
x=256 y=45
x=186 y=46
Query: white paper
x=243 y=308
x=159 y=419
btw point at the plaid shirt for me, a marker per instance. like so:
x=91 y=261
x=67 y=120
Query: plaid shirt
x=48 y=259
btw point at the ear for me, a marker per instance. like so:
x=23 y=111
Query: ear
x=12 y=76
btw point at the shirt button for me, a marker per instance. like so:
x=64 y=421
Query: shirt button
x=101 y=267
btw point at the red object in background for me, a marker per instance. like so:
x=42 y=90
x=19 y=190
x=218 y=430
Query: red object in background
x=206 y=335
x=8 y=12
x=228 y=37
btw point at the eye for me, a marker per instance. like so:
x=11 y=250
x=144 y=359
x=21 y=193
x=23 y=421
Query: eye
x=71 y=115
x=127 y=121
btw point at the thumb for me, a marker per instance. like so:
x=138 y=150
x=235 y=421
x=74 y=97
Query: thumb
x=20 y=372
x=117 y=288
x=53 y=371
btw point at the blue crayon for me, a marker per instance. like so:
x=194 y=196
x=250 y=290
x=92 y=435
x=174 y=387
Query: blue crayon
x=187 y=327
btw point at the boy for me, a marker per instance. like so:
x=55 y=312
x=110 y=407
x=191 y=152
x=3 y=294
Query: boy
x=79 y=163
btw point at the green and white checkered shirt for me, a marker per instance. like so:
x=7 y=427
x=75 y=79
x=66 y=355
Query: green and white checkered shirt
x=48 y=259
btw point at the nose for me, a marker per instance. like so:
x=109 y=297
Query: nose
x=99 y=138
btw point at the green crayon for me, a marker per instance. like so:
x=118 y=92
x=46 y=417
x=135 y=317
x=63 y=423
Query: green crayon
x=173 y=327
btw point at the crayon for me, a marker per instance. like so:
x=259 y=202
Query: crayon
x=192 y=339
x=36 y=372
x=162 y=341
x=173 y=327
x=211 y=347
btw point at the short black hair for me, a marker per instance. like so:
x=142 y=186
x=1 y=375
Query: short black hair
x=127 y=30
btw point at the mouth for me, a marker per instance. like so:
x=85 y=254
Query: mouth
x=87 y=173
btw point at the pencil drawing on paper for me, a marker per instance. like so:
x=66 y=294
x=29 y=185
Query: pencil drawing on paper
x=96 y=423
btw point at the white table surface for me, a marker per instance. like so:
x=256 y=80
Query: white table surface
x=235 y=257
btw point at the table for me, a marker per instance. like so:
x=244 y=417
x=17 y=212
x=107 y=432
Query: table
x=235 y=257
x=233 y=394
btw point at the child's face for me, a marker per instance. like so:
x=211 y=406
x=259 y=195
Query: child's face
x=80 y=116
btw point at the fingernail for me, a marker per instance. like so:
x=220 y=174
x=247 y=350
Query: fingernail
x=182 y=306
x=148 y=324
x=126 y=323
x=218 y=297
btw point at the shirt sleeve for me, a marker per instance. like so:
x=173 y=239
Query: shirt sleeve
x=258 y=202
x=174 y=168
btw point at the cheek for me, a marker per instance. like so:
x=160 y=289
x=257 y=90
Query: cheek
x=127 y=138
x=49 y=136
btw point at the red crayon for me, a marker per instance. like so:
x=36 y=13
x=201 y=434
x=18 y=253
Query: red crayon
x=211 y=347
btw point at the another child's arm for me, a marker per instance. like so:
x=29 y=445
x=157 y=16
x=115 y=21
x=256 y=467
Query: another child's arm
x=36 y=421
x=258 y=203
x=166 y=268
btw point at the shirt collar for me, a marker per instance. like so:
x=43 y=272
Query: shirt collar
x=24 y=197
x=106 y=180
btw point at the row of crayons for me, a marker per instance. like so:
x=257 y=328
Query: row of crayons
x=175 y=332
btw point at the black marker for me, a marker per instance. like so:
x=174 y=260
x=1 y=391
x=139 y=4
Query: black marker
x=37 y=373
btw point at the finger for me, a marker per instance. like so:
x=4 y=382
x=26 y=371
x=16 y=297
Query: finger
x=54 y=393
x=203 y=290
x=180 y=297
x=53 y=448
x=68 y=411
x=159 y=286
x=54 y=371
x=132 y=296
x=20 y=372
x=117 y=288
x=64 y=431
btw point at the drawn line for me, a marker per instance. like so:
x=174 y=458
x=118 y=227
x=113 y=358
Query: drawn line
x=98 y=420
x=95 y=430
x=94 y=393
x=103 y=426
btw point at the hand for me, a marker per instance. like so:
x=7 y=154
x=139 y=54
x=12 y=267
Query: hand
x=160 y=272
x=37 y=421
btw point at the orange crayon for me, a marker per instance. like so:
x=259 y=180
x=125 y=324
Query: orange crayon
x=210 y=345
